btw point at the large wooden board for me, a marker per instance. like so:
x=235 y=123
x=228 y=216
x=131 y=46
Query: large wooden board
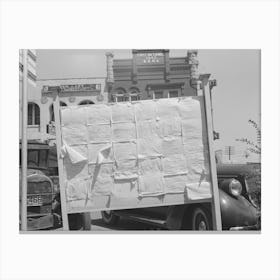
x=136 y=154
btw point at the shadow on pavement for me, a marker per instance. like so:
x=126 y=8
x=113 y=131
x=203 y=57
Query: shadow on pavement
x=123 y=224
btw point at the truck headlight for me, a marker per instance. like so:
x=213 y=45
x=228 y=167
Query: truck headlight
x=232 y=186
x=235 y=187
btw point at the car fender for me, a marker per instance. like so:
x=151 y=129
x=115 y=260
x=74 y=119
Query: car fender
x=236 y=211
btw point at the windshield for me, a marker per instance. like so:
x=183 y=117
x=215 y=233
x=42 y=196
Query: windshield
x=253 y=182
x=36 y=159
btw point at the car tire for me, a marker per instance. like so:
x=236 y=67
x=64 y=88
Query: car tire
x=201 y=219
x=110 y=218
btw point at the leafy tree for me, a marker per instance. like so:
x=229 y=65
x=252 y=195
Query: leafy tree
x=253 y=147
x=254 y=178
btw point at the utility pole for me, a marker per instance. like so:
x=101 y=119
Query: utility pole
x=24 y=145
x=213 y=83
x=229 y=150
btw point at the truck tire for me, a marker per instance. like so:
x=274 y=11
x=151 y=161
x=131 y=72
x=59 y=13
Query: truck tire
x=110 y=218
x=75 y=221
x=79 y=221
x=86 y=221
x=201 y=219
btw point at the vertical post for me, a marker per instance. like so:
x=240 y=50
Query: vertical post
x=166 y=65
x=24 y=145
x=134 y=66
x=216 y=211
x=212 y=114
x=60 y=163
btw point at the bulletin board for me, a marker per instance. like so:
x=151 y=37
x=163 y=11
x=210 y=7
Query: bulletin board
x=133 y=154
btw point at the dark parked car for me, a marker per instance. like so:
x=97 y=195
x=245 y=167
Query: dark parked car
x=40 y=188
x=43 y=193
x=238 y=211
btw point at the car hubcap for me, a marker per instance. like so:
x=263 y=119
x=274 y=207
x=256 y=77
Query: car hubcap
x=202 y=225
x=200 y=222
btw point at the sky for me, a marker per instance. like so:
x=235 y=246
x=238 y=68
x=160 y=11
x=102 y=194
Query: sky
x=236 y=98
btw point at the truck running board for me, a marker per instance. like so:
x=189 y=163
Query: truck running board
x=136 y=217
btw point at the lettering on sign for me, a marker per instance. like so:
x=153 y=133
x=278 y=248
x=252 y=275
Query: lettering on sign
x=150 y=57
x=72 y=88
x=80 y=87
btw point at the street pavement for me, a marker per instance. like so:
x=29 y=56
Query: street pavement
x=97 y=224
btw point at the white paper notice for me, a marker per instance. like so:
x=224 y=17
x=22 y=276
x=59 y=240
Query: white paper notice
x=129 y=150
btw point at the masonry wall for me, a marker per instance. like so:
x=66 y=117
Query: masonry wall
x=45 y=101
x=148 y=77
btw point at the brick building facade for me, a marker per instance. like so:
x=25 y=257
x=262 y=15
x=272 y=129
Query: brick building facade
x=151 y=74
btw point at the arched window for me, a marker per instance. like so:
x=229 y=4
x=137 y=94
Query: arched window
x=120 y=90
x=61 y=103
x=33 y=114
x=134 y=90
x=86 y=102
x=134 y=94
x=120 y=95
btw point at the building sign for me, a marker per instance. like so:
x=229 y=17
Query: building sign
x=72 y=88
x=150 y=57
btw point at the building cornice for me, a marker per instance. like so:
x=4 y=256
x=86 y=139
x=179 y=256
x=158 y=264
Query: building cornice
x=67 y=79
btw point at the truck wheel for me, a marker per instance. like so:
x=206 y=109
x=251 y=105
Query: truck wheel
x=201 y=219
x=110 y=218
x=86 y=221
x=75 y=221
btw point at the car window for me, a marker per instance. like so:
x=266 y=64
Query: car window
x=33 y=158
x=43 y=158
x=36 y=158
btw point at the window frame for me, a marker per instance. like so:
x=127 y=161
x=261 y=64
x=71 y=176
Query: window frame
x=33 y=111
x=134 y=95
x=157 y=92
x=122 y=96
x=173 y=91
